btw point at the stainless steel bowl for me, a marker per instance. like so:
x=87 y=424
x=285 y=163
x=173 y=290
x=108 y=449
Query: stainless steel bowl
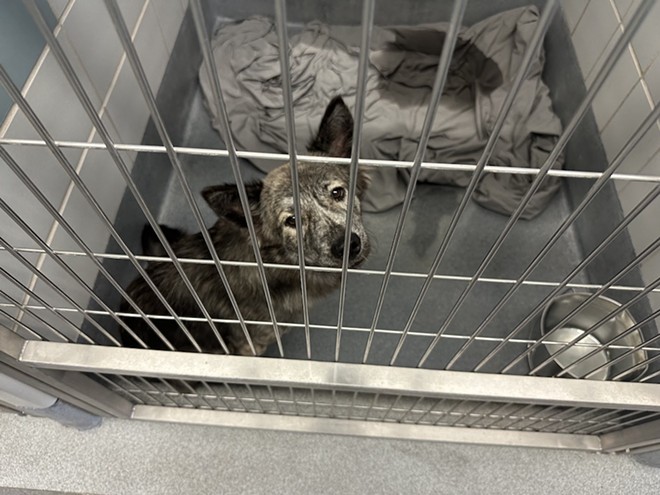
x=578 y=325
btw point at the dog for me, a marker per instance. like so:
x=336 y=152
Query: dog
x=323 y=205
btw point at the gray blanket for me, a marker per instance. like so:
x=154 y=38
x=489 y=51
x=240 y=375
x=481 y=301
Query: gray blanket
x=403 y=63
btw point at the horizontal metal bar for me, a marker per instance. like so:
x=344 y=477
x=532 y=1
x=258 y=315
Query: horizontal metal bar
x=389 y=331
x=366 y=428
x=295 y=325
x=313 y=268
x=283 y=157
x=635 y=437
x=342 y=376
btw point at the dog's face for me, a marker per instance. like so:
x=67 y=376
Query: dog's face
x=324 y=201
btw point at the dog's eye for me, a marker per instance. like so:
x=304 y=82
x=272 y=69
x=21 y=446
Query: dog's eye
x=290 y=221
x=338 y=193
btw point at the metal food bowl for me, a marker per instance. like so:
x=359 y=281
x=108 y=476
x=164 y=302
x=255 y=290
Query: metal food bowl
x=578 y=325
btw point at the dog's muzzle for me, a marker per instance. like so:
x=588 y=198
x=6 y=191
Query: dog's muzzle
x=355 y=247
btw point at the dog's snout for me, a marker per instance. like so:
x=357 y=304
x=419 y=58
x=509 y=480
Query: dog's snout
x=356 y=245
x=354 y=249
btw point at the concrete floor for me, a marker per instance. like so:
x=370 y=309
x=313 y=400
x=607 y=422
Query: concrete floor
x=130 y=457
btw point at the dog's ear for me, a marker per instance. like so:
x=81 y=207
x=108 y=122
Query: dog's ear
x=363 y=181
x=151 y=245
x=226 y=203
x=335 y=134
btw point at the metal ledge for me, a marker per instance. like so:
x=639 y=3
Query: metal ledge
x=373 y=429
x=635 y=438
x=74 y=388
x=342 y=376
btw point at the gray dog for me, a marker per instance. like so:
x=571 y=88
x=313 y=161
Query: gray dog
x=324 y=202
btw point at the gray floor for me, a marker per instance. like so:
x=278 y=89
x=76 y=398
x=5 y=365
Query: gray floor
x=126 y=457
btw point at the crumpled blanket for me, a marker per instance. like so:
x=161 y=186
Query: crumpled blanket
x=403 y=64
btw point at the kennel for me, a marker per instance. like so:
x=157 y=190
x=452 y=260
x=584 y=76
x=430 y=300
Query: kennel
x=434 y=337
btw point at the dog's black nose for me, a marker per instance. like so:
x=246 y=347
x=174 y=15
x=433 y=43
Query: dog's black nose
x=354 y=248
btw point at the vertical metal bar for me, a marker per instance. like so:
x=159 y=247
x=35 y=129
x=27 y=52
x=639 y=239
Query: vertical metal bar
x=352 y=405
x=597 y=420
x=78 y=240
x=373 y=403
x=283 y=48
x=256 y=399
x=448 y=412
x=603 y=71
x=312 y=394
x=477 y=415
x=141 y=78
x=33 y=314
x=19 y=323
x=32 y=234
x=646 y=378
x=100 y=128
x=627 y=353
x=368 y=8
x=133 y=397
x=26 y=290
x=560 y=410
x=593 y=328
x=462 y=416
x=635 y=262
x=599 y=249
x=275 y=401
x=236 y=396
x=507 y=415
x=575 y=420
x=438 y=86
x=623 y=421
x=221 y=110
x=389 y=409
x=591 y=194
x=146 y=386
x=293 y=400
x=519 y=414
x=213 y=394
x=494 y=413
x=190 y=389
x=528 y=59
x=431 y=410
x=16 y=95
x=566 y=416
x=410 y=409
x=588 y=417
x=59 y=291
x=76 y=85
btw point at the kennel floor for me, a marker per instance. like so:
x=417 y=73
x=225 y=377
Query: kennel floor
x=425 y=227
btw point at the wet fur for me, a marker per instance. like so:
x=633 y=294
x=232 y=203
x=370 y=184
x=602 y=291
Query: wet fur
x=271 y=203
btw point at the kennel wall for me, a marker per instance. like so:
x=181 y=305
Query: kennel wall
x=69 y=240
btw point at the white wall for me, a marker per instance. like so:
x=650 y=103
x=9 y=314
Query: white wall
x=91 y=43
x=629 y=94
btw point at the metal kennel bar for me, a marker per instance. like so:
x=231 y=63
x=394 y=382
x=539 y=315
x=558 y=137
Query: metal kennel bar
x=438 y=85
x=233 y=160
x=283 y=157
x=309 y=395
x=283 y=50
x=532 y=49
x=580 y=113
x=368 y=11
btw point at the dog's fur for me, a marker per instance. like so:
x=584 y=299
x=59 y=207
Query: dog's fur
x=323 y=201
